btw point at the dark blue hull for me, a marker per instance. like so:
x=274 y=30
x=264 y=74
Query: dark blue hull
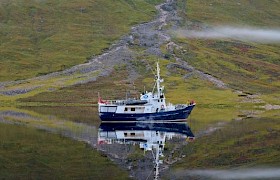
x=178 y=114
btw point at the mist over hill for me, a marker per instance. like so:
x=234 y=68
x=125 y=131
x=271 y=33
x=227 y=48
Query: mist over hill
x=247 y=34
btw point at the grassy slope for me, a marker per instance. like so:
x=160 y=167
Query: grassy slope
x=39 y=37
x=250 y=67
x=110 y=87
x=255 y=66
x=29 y=153
x=213 y=104
x=244 y=12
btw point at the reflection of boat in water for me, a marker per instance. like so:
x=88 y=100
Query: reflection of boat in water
x=149 y=136
x=150 y=106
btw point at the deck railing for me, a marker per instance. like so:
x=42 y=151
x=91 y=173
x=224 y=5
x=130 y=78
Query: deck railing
x=113 y=102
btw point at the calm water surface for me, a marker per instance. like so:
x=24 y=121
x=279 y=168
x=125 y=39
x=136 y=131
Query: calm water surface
x=145 y=150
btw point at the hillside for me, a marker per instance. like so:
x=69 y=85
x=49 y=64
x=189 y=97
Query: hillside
x=39 y=37
x=247 y=66
x=251 y=68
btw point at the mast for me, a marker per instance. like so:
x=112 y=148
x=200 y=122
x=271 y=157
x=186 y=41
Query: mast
x=158 y=80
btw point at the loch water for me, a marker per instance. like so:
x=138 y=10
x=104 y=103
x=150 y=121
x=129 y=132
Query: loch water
x=38 y=141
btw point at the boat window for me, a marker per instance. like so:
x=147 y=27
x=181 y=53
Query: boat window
x=125 y=109
x=132 y=134
x=132 y=109
x=108 y=109
x=103 y=109
x=112 y=109
x=125 y=134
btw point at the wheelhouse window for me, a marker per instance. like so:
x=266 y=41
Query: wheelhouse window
x=108 y=109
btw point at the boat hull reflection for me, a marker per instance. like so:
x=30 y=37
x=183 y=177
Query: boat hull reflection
x=149 y=136
x=172 y=127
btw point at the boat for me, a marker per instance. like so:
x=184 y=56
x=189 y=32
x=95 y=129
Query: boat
x=151 y=106
x=150 y=137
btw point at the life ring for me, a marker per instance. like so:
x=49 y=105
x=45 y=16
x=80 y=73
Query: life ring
x=162 y=106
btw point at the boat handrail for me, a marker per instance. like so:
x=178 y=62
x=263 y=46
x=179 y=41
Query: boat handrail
x=114 y=102
x=119 y=102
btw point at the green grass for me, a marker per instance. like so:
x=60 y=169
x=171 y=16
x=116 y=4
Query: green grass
x=243 y=12
x=111 y=87
x=39 y=37
x=249 y=67
x=29 y=153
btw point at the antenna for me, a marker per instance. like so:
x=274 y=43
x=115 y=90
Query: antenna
x=150 y=68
